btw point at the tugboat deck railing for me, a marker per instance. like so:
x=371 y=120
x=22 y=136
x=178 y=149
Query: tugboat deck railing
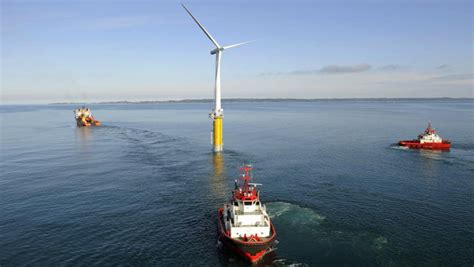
x=239 y=224
x=240 y=212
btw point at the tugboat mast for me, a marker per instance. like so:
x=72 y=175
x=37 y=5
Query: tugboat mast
x=246 y=175
x=245 y=192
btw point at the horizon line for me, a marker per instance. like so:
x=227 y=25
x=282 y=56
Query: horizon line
x=265 y=99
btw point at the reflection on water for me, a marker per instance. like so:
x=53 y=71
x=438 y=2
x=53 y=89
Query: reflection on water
x=218 y=164
x=218 y=182
x=430 y=167
x=432 y=154
x=85 y=135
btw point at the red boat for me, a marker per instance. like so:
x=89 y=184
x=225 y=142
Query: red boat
x=243 y=224
x=427 y=140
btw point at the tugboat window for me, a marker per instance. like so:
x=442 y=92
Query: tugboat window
x=235 y=203
x=246 y=203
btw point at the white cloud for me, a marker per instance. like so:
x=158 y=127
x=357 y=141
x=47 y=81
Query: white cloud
x=330 y=69
x=345 y=69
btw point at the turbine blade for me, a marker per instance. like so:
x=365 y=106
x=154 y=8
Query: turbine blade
x=234 y=45
x=202 y=28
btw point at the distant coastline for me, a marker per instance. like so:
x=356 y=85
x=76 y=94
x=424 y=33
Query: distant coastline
x=232 y=100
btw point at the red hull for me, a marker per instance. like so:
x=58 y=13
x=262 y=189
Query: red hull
x=415 y=144
x=252 y=251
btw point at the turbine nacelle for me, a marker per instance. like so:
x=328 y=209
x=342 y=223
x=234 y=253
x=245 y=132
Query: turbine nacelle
x=219 y=49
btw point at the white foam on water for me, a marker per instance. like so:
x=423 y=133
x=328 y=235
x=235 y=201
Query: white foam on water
x=294 y=214
x=399 y=147
x=295 y=217
x=276 y=209
x=289 y=263
x=380 y=242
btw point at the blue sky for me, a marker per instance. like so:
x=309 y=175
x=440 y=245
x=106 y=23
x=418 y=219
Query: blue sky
x=86 y=51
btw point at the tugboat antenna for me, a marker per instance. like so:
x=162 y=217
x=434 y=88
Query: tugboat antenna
x=246 y=175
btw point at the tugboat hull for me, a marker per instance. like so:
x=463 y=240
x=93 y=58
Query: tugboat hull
x=415 y=144
x=251 y=251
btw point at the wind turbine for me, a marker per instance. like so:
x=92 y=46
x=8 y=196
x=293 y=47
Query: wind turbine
x=218 y=113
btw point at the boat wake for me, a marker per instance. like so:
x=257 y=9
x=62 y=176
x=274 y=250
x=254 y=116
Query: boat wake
x=287 y=262
x=332 y=242
x=397 y=147
x=294 y=215
x=463 y=146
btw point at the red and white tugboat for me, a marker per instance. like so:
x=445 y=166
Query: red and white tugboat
x=427 y=140
x=243 y=224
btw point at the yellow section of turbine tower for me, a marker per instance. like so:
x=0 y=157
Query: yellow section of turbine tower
x=217 y=135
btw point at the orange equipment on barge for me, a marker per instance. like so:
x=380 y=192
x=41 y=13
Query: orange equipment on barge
x=84 y=118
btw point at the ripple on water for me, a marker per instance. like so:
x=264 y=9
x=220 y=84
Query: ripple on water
x=303 y=231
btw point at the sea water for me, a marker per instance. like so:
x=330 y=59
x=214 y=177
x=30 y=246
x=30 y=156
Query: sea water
x=144 y=188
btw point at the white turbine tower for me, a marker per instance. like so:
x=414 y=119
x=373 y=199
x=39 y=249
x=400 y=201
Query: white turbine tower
x=218 y=113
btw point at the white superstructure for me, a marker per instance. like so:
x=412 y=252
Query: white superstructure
x=429 y=136
x=247 y=218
